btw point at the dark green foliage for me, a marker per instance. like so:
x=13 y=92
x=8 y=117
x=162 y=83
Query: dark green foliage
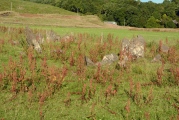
x=152 y=23
x=170 y=24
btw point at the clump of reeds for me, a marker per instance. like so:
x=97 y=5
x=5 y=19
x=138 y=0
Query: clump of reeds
x=149 y=96
x=175 y=72
x=2 y=42
x=92 y=90
x=131 y=84
x=97 y=75
x=81 y=69
x=42 y=98
x=67 y=101
x=72 y=59
x=160 y=74
x=83 y=94
x=110 y=91
x=147 y=115
x=172 y=55
x=138 y=94
x=127 y=108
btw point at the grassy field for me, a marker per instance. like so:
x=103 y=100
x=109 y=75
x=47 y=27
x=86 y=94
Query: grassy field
x=54 y=85
x=57 y=85
x=119 y=33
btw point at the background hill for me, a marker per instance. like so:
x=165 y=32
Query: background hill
x=125 y=12
x=21 y=6
x=29 y=13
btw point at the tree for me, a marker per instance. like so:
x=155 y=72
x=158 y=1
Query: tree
x=170 y=24
x=169 y=9
x=108 y=11
x=175 y=1
x=152 y=23
x=167 y=22
x=119 y=16
x=157 y=15
x=131 y=16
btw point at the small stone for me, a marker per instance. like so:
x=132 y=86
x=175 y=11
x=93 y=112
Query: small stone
x=164 y=48
x=88 y=62
x=157 y=58
x=108 y=59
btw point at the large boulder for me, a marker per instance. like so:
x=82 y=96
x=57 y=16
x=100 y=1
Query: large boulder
x=31 y=39
x=125 y=44
x=39 y=38
x=137 y=46
x=134 y=47
x=131 y=49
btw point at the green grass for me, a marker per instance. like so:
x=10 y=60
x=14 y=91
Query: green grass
x=99 y=107
x=121 y=33
x=21 y=6
x=116 y=33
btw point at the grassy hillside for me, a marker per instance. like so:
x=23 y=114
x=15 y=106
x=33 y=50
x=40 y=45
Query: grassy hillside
x=21 y=6
x=29 y=13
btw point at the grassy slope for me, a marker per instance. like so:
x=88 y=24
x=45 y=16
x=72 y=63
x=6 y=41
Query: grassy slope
x=40 y=14
x=21 y=6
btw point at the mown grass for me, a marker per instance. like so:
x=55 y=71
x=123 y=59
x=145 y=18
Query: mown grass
x=86 y=92
x=121 y=33
x=117 y=33
x=22 y=6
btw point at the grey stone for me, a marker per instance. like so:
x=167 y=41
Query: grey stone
x=51 y=36
x=88 y=62
x=125 y=44
x=141 y=39
x=164 y=48
x=29 y=35
x=39 y=38
x=134 y=47
x=131 y=48
x=157 y=58
x=108 y=59
x=31 y=39
x=137 y=46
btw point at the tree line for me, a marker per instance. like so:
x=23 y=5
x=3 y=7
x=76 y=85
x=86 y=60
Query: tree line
x=125 y=12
